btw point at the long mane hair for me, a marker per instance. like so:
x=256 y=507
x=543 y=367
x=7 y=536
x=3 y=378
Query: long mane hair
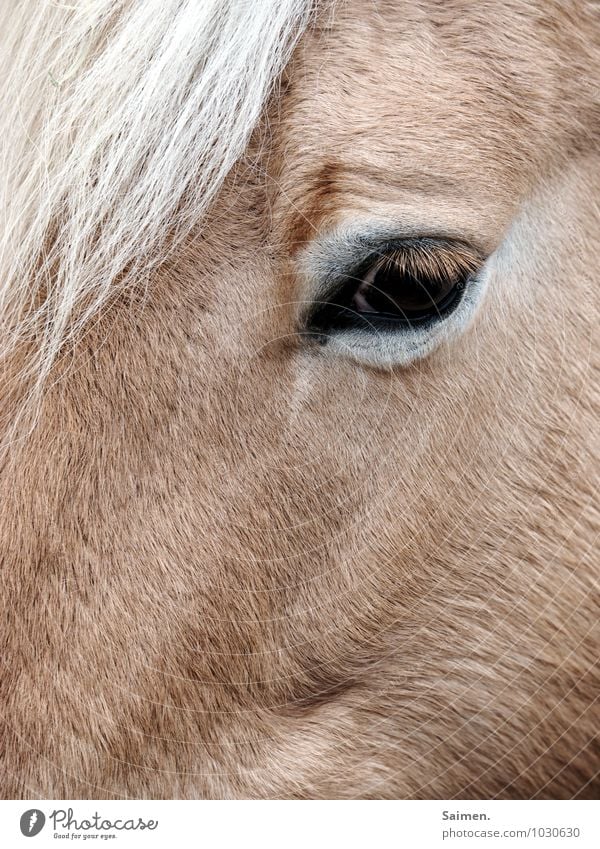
x=119 y=121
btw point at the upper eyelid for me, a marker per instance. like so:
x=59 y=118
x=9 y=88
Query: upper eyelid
x=342 y=255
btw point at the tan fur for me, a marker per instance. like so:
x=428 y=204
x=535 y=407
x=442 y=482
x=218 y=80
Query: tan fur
x=234 y=566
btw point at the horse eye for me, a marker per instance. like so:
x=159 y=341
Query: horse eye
x=411 y=285
x=390 y=291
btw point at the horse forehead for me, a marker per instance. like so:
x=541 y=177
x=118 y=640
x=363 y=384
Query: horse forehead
x=416 y=68
x=401 y=103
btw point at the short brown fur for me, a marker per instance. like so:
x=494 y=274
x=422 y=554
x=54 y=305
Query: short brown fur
x=235 y=567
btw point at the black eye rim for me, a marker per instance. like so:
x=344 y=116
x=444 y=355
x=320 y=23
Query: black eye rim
x=336 y=313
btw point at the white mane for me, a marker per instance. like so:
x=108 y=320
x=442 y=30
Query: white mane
x=119 y=120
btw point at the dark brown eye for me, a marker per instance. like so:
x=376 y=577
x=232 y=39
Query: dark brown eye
x=393 y=290
x=416 y=282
